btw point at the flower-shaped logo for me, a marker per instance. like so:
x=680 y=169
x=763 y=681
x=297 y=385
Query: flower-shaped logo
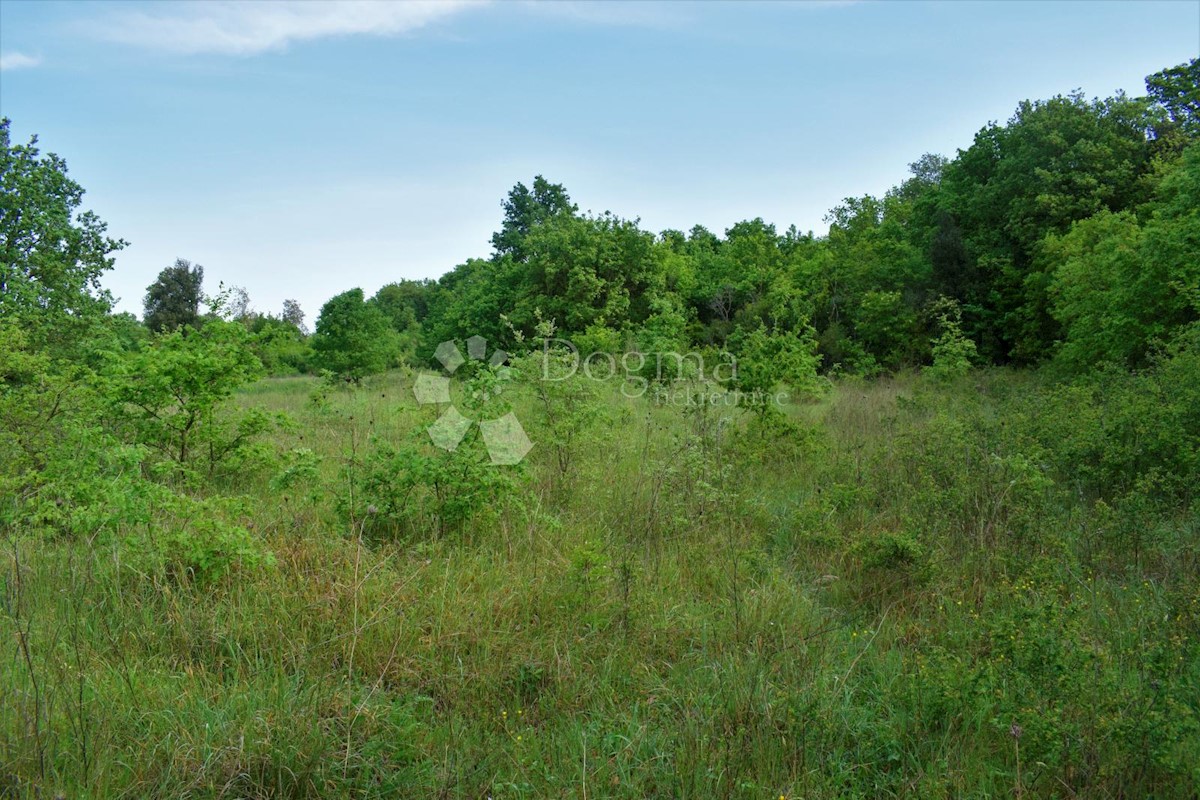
x=504 y=437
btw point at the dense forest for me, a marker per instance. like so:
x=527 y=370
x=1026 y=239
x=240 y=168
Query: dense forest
x=959 y=560
x=1065 y=235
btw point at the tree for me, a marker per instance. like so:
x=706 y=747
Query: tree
x=1177 y=91
x=295 y=315
x=524 y=210
x=589 y=270
x=280 y=345
x=405 y=303
x=51 y=254
x=953 y=353
x=235 y=303
x=353 y=338
x=767 y=357
x=173 y=300
x=1055 y=162
x=1119 y=287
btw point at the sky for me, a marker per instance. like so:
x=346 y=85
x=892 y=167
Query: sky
x=302 y=149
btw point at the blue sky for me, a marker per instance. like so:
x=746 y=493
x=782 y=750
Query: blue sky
x=303 y=149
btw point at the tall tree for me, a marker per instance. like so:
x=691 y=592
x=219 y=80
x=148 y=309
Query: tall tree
x=353 y=338
x=1120 y=287
x=293 y=314
x=405 y=303
x=1177 y=91
x=173 y=300
x=1055 y=162
x=524 y=209
x=51 y=254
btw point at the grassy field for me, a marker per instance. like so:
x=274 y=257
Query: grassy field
x=897 y=590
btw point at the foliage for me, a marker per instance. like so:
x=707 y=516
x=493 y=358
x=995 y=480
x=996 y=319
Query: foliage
x=172 y=394
x=766 y=358
x=353 y=338
x=1177 y=91
x=1115 y=432
x=953 y=352
x=280 y=345
x=419 y=488
x=568 y=404
x=1120 y=286
x=524 y=210
x=990 y=229
x=173 y=300
x=416 y=488
x=53 y=254
x=966 y=581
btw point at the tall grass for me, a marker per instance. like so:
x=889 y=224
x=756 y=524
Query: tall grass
x=892 y=594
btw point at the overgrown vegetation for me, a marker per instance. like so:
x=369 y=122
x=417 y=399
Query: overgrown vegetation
x=905 y=510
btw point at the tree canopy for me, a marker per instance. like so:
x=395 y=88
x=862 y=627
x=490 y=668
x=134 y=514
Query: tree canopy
x=173 y=300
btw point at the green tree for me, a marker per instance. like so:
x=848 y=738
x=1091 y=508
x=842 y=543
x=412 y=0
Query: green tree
x=173 y=300
x=1120 y=287
x=51 y=254
x=589 y=270
x=1177 y=92
x=406 y=303
x=525 y=209
x=1055 y=162
x=953 y=353
x=281 y=346
x=766 y=358
x=353 y=337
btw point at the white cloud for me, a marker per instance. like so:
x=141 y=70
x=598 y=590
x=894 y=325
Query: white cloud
x=17 y=61
x=641 y=14
x=246 y=28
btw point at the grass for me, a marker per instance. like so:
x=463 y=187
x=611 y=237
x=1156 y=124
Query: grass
x=889 y=598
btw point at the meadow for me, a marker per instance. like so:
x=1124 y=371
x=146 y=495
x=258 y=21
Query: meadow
x=897 y=588
x=935 y=536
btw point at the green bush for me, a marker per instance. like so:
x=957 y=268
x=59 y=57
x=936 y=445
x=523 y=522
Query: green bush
x=173 y=396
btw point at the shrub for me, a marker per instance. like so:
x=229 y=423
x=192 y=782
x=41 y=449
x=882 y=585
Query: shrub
x=172 y=395
x=953 y=352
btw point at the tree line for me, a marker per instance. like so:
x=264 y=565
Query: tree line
x=1068 y=234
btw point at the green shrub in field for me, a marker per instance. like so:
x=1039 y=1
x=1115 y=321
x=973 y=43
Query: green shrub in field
x=195 y=539
x=281 y=346
x=766 y=358
x=172 y=396
x=890 y=550
x=1098 y=710
x=953 y=353
x=64 y=472
x=772 y=437
x=300 y=466
x=968 y=482
x=568 y=407
x=415 y=486
x=61 y=472
x=1111 y=433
